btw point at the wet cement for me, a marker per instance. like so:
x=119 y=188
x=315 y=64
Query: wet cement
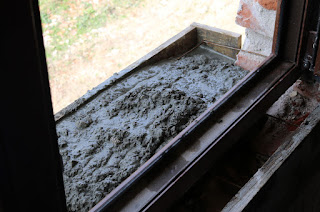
x=107 y=139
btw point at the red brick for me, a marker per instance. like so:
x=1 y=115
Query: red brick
x=245 y=18
x=268 y=4
x=248 y=62
x=253 y=16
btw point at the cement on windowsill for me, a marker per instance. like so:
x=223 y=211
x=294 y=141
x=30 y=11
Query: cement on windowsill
x=111 y=136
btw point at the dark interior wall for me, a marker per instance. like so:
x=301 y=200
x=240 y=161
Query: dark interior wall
x=30 y=166
x=312 y=19
x=295 y=186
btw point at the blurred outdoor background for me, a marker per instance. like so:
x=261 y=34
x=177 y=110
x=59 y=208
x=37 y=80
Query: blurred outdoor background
x=87 y=41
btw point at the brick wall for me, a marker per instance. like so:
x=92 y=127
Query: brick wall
x=258 y=17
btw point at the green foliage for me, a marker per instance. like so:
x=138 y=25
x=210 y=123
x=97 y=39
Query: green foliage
x=45 y=18
x=125 y=3
x=90 y=19
x=54 y=6
x=69 y=28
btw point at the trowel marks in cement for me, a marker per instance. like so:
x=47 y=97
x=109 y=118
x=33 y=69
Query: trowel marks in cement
x=110 y=137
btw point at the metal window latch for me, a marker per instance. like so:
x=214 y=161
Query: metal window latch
x=311 y=60
x=316 y=54
x=308 y=60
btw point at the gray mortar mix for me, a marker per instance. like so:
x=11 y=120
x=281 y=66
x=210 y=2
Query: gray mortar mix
x=110 y=137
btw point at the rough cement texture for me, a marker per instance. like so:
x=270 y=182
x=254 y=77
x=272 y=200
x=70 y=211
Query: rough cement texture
x=107 y=139
x=287 y=114
x=257 y=43
x=298 y=101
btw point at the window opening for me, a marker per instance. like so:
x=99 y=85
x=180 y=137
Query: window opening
x=88 y=41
